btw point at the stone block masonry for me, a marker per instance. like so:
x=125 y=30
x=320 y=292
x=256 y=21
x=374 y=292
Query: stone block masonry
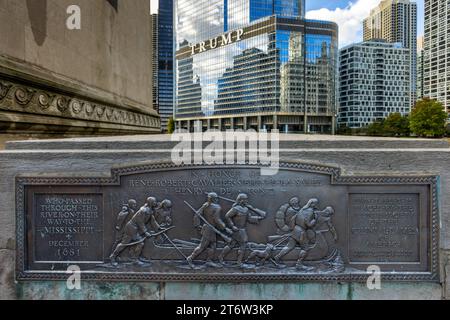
x=95 y=80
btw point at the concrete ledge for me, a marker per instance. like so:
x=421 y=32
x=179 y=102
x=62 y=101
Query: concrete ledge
x=147 y=142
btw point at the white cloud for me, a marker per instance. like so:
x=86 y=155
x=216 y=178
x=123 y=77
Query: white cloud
x=350 y=19
x=154 y=6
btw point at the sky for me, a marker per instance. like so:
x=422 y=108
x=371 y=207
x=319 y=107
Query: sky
x=154 y=6
x=349 y=15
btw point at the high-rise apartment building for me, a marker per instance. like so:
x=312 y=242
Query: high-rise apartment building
x=254 y=64
x=374 y=82
x=437 y=51
x=395 y=21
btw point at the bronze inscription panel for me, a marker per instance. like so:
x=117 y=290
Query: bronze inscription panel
x=384 y=227
x=68 y=227
x=160 y=222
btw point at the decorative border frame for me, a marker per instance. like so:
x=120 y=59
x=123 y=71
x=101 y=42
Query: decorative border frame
x=336 y=179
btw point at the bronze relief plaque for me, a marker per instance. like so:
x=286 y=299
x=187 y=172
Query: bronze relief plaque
x=161 y=222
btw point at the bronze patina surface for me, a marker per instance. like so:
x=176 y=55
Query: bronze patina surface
x=161 y=222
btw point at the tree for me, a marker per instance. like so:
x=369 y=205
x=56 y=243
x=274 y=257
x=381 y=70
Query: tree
x=376 y=129
x=428 y=119
x=344 y=130
x=171 y=126
x=396 y=125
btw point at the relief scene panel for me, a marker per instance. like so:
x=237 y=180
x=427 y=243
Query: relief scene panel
x=213 y=223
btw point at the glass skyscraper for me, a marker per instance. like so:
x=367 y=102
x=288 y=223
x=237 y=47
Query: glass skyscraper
x=257 y=64
x=163 y=86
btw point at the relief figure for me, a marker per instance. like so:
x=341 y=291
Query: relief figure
x=136 y=231
x=303 y=233
x=124 y=215
x=208 y=220
x=285 y=213
x=237 y=218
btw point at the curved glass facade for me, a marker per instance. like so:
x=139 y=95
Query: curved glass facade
x=260 y=58
x=197 y=20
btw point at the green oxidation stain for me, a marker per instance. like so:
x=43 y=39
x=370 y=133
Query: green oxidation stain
x=260 y=290
x=217 y=289
x=247 y=291
x=300 y=290
x=350 y=292
x=222 y=290
x=344 y=288
x=36 y=290
x=198 y=290
x=19 y=291
x=341 y=290
x=205 y=290
x=88 y=291
x=123 y=291
x=108 y=291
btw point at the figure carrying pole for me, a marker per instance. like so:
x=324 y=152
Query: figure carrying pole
x=209 y=214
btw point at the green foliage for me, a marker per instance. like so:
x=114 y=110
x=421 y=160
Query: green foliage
x=376 y=129
x=428 y=119
x=344 y=130
x=171 y=126
x=397 y=125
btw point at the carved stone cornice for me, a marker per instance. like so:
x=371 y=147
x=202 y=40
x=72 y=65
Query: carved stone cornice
x=20 y=98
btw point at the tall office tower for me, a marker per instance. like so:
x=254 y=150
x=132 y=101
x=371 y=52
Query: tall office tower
x=254 y=64
x=420 y=68
x=374 y=82
x=437 y=51
x=395 y=21
x=163 y=84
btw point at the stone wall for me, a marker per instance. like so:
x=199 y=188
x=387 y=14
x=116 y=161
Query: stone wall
x=57 y=80
x=96 y=157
